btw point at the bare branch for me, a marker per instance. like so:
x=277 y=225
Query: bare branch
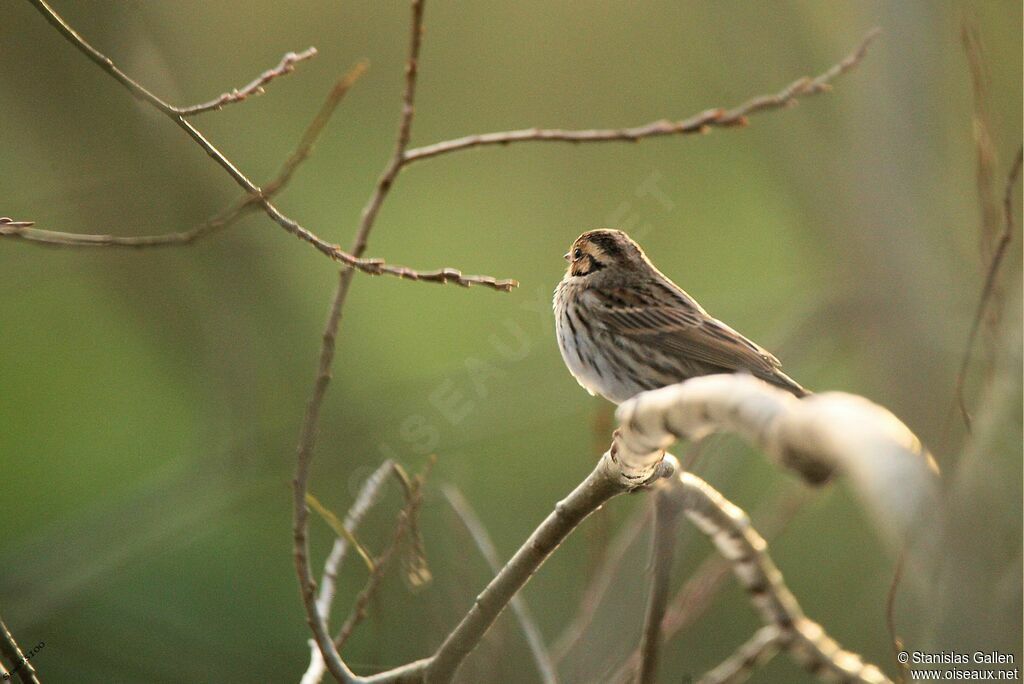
x=756 y=652
x=300 y=513
x=315 y=128
x=663 y=549
x=730 y=530
x=483 y=542
x=311 y=420
x=15 y=658
x=991 y=272
x=179 y=117
x=286 y=66
x=699 y=123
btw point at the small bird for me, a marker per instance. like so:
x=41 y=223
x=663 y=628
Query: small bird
x=623 y=327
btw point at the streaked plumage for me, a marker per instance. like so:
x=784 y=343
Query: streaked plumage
x=624 y=328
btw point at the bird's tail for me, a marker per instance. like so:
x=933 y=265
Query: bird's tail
x=780 y=379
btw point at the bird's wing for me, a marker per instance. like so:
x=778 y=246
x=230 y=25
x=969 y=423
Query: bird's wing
x=673 y=323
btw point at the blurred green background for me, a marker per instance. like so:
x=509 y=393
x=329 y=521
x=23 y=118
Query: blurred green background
x=150 y=401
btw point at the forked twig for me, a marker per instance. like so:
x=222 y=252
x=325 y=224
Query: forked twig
x=244 y=205
x=307 y=437
x=255 y=87
x=180 y=116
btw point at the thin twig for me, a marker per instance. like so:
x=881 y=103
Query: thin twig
x=483 y=542
x=340 y=529
x=757 y=651
x=352 y=259
x=16 y=660
x=404 y=526
x=369 y=495
x=300 y=513
x=663 y=550
x=699 y=123
x=991 y=272
x=315 y=128
x=255 y=87
x=890 y=616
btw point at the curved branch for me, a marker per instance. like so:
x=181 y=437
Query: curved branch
x=816 y=436
x=757 y=651
x=369 y=495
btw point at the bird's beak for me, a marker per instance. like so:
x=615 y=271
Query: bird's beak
x=566 y=256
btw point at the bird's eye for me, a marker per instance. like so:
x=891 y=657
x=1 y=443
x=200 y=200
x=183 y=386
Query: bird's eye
x=577 y=254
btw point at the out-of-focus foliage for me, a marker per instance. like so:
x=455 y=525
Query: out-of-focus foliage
x=150 y=401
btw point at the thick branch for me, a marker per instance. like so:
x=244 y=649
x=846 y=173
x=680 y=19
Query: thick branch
x=698 y=123
x=815 y=436
x=605 y=482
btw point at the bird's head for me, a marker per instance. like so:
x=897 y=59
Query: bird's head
x=597 y=250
